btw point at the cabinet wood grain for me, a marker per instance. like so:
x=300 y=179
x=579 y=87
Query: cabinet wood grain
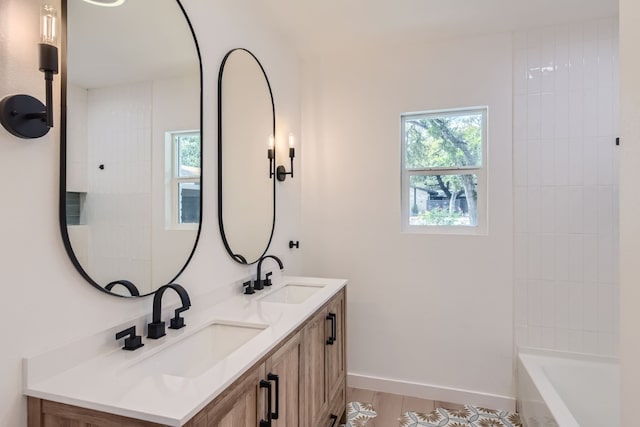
x=313 y=362
x=285 y=363
x=241 y=405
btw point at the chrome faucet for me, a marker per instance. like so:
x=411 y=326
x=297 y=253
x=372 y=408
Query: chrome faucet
x=156 y=327
x=259 y=283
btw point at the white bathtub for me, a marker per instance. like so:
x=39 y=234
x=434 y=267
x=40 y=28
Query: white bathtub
x=558 y=389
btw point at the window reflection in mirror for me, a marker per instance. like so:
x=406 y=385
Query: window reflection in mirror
x=183 y=189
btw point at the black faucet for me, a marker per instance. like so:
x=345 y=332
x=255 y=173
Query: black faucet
x=156 y=327
x=133 y=342
x=259 y=284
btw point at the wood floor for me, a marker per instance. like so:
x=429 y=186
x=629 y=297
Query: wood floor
x=391 y=406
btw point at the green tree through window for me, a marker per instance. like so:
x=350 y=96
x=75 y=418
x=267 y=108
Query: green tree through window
x=442 y=157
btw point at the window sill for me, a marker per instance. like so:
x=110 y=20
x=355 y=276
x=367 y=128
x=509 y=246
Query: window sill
x=182 y=227
x=445 y=230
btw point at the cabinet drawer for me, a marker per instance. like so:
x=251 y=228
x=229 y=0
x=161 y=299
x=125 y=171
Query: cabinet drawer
x=337 y=407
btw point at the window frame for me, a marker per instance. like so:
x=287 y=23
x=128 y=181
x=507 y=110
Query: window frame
x=480 y=171
x=173 y=180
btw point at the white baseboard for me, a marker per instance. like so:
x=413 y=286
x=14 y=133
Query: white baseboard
x=431 y=392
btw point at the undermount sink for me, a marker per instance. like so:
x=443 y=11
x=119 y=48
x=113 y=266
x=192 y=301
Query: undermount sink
x=197 y=353
x=292 y=293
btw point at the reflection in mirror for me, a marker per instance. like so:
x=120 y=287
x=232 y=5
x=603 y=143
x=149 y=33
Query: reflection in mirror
x=131 y=143
x=246 y=189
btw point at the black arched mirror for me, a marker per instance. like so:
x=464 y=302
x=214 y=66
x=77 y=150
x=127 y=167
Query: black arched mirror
x=246 y=185
x=131 y=142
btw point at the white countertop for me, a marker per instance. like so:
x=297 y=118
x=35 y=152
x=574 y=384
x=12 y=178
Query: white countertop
x=97 y=374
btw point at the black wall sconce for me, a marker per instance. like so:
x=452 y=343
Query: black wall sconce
x=23 y=115
x=281 y=171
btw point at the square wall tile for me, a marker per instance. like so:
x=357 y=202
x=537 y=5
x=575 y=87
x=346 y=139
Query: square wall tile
x=521 y=75
x=590 y=256
x=562 y=340
x=576 y=209
x=534 y=303
x=548 y=258
x=606 y=309
x=562 y=257
x=576 y=306
x=520 y=117
x=547 y=215
x=576 y=257
x=534 y=209
x=561 y=318
x=547 y=337
x=534 y=256
x=590 y=309
x=561 y=117
x=575 y=341
x=521 y=210
x=590 y=342
x=534 y=117
x=561 y=161
x=562 y=213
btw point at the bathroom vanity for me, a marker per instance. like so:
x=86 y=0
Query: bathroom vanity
x=274 y=358
x=288 y=370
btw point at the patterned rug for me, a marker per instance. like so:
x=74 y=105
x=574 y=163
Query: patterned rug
x=359 y=414
x=469 y=416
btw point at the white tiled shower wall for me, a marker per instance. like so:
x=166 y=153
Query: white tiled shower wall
x=566 y=190
x=120 y=139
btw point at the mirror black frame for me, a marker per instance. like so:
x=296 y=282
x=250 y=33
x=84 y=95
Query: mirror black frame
x=238 y=257
x=62 y=208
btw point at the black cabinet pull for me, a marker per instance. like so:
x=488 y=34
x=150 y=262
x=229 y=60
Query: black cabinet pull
x=276 y=379
x=332 y=339
x=267 y=385
x=334 y=330
x=334 y=418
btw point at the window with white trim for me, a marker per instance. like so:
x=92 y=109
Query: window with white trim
x=444 y=179
x=183 y=186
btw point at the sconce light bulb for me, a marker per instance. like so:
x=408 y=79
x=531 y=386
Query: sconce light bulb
x=48 y=25
x=272 y=142
x=292 y=140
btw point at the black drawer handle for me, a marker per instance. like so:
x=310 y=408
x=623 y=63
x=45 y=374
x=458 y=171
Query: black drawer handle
x=333 y=338
x=276 y=379
x=334 y=418
x=267 y=385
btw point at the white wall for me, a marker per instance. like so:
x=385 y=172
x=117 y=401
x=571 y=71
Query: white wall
x=46 y=302
x=566 y=187
x=629 y=209
x=429 y=309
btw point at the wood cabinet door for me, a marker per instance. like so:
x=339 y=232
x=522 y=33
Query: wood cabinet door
x=335 y=350
x=312 y=359
x=242 y=405
x=283 y=371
